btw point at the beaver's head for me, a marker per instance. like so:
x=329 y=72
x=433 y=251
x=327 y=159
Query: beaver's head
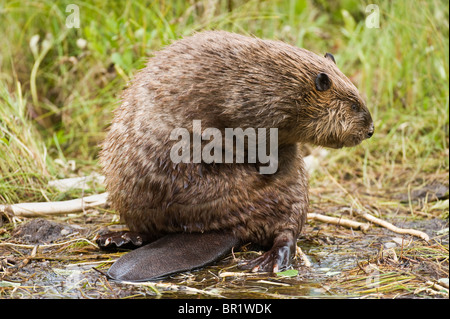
x=332 y=113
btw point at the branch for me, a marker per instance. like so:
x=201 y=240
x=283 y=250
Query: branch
x=339 y=221
x=391 y=227
x=361 y=211
x=54 y=208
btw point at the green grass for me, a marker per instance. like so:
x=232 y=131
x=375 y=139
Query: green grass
x=56 y=97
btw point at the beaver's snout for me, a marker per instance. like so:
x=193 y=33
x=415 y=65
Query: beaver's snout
x=371 y=131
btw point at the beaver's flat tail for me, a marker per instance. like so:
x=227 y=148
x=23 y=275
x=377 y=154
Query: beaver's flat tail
x=172 y=254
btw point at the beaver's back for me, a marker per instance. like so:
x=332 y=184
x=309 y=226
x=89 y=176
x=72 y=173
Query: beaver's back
x=225 y=80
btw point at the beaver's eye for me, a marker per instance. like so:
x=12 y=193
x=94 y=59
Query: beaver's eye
x=355 y=107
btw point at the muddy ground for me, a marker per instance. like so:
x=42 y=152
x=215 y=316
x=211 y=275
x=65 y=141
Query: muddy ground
x=58 y=258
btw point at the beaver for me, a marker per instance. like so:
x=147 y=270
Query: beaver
x=188 y=214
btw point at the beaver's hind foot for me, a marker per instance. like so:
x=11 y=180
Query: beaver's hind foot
x=278 y=258
x=121 y=240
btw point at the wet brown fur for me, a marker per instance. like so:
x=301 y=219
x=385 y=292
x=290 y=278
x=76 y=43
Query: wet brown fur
x=225 y=80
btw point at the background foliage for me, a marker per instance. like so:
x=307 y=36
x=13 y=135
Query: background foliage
x=59 y=85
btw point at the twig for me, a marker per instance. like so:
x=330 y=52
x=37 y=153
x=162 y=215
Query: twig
x=361 y=211
x=391 y=227
x=54 y=208
x=48 y=245
x=303 y=257
x=174 y=287
x=437 y=286
x=237 y=274
x=339 y=221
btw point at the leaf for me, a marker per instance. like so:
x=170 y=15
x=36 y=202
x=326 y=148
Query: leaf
x=34 y=45
x=116 y=58
x=349 y=23
x=441 y=205
x=288 y=273
x=4 y=283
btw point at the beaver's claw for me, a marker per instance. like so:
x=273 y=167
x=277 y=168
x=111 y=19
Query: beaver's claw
x=274 y=260
x=121 y=239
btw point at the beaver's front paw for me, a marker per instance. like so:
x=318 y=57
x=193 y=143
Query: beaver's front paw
x=120 y=240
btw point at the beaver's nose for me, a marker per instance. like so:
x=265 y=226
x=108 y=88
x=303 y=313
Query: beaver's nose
x=370 y=132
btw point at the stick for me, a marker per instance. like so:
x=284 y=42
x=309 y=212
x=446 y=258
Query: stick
x=375 y=220
x=54 y=208
x=391 y=227
x=303 y=257
x=48 y=245
x=339 y=221
x=437 y=286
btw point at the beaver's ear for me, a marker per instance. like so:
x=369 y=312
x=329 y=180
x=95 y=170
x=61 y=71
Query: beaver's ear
x=329 y=56
x=323 y=82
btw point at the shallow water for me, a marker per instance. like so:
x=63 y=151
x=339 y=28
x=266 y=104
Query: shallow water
x=71 y=272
